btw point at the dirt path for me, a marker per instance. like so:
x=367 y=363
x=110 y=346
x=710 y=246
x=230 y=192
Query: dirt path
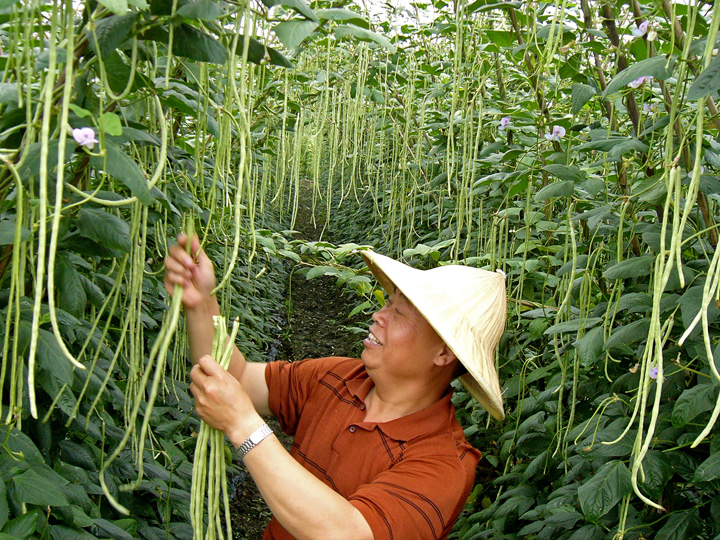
x=317 y=326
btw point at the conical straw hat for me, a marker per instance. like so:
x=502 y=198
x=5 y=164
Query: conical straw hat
x=466 y=306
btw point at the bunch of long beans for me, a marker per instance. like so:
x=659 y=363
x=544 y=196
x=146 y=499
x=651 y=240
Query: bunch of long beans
x=208 y=475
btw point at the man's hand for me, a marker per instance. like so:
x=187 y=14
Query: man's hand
x=196 y=275
x=222 y=401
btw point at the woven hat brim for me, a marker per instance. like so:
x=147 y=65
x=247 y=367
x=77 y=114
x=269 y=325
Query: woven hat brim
x=481 y=380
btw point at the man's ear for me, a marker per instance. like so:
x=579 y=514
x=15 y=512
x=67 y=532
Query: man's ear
x=445 y=356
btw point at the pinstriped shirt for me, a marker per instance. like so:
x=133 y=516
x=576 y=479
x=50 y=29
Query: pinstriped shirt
x=409 y=477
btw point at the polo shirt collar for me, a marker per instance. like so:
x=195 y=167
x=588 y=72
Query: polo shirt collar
x=428 y=420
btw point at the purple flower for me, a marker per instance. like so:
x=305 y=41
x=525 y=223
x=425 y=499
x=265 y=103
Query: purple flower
x=654 y=372
x=637 y=83
x=505 y=122
x=558 y=133
x=641 y=30
x=85 y=137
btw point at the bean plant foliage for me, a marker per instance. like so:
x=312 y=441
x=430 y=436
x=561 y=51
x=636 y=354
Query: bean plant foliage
x=573 y=145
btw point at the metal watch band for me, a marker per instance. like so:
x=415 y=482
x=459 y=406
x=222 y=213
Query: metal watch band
x=253 y=440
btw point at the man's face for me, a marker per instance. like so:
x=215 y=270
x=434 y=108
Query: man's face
x=401 y=342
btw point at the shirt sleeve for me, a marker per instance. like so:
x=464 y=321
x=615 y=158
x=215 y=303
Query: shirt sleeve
x=290 y=385
x=418 y=499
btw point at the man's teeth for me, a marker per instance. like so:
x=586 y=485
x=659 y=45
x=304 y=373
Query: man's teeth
x=372 y=338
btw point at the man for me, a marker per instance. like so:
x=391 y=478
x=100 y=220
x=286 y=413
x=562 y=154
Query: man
x=378 y=453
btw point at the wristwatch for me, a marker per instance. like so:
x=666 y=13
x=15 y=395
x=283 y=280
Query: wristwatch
x=253 y=440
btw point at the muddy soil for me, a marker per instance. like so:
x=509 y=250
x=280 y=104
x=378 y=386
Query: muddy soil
x=317 y=325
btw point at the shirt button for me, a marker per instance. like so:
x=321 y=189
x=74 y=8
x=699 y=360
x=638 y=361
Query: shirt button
x=362 y=407
x=352 y=429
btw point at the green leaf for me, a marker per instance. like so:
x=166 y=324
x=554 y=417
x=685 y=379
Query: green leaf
x=364 y=35
x=563 y=188
x=121 y=167
x=258 y=53
x=63 y=532
x=52 y=359
x=293 y=32
x=118 y=74
x=566 y=172
x=318 y=271
x=581 y=94
x=658 y=470
x=70 y=291
x=300 y=6
x=32 y=488
x=677 y=525
x=692 y=402
x=111 y=32
x=191 y=43
x=572 y=326
x=590 y=346
x=342 y=14
x=110 y=124
x=7 y=4
x=709 y=469
x=707 y=82
x=19 y=443
x=105 y=228
x=7 y=232
x=107 y=529
x=116 y=6
x=23 y=526
x=658 y=67
x=629 y=333
x=604 y=490
x=588 y=532
x=4 y=509
x=8 y=93
x=629 y=268
x=202 y=10
x=31 y=165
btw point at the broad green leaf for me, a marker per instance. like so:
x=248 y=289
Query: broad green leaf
x=110 y=124
x=690 y=304
x=4 y=509
x=77 y=454
x=590 y=346
x=566 y=172
x=118 y=75
x=119 y=165
x=588 y=532
x=106 y=529
x=23 y=526
x=111 y=32
x=8 y=93
x=32 y=488
x=31 y=165
x=300 y=6
x=629 y=333
x=692 y=402
x=19 y=443
x=604 y=490
x=63 y=532
x=105 y=228
x=629 y=268
x=202 y=10
x=191 y=43
x=7 y=232
x=709 y=469
x=581 y=94
x=69 y=292
x=6 y=4
x=293 y=32
x=658 y=67
x=364 y=35
x=52 y=359
x=116 y=6
x=563 y=188
x=487 y=5
x=677 y=525
x=79 y=111
x=342 y=14
x=321 y=271
x=258 y=53
x=707 y=82
x=657 y=469
x=572 y=326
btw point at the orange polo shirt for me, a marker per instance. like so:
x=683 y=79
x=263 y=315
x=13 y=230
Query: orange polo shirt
x=409 y=477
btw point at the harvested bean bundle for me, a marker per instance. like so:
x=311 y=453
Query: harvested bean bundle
x=209 y=464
